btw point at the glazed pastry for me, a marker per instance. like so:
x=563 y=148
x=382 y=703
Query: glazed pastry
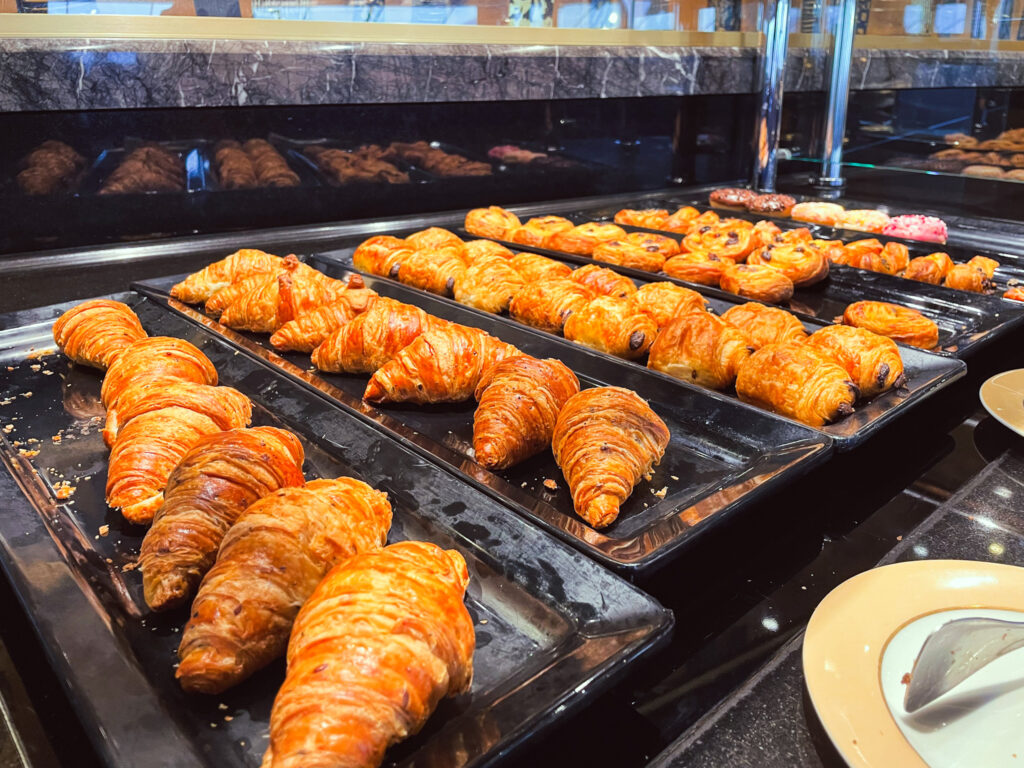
x=893 y=259
x=768 y=232
x=492 y=222
x=666 y=246
x=929 y=269
x=731 y=239
x=269 y=563
x=603 y=281
x=605 y=440
x=843 y=256
x=436 y=270
x=434 y=238
x=157 y=358
x=539 y=231
x=650 y=218
x=613 y=325
x=917 y=227
x=475 y=250
x=765 y=325
x=382 y=639
x=873 y=361
x=440 y=366
x=489 y=285
x=534 y=268
x=771 y=205
x=734 y=199
x=965 y=277
x=1015 y=293
x=277 y=301
x=798 y=381
x=201 y=285
x=308 y=331
x=826 y=214
x=700 y=268
x=228 y=407
x=145 y=453
x=371 y=339
x=701 y=348
x=805 y=264
x=860 y=249
x=519 y=401
x=547 y=305
x=376 y=254
x=864 y=220
x=582 y=240
x=215 y=481
x=798 y=236
x=687 y=218
x=96 y=332
x=895 y=321
x=757 y=282
x=986 y=265
x=627 y=255
x=663 y=301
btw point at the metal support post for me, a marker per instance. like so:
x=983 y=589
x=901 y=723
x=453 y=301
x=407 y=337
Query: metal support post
x=840 y=62
x=771 y=73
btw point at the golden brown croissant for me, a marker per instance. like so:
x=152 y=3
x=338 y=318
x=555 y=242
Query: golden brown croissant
x=873 y=361
x=278 y=300
x=225 y=297
x=476 y=250
x=548 y=304
x=156 y=358
x=372 y=338
x=96 y=332
x=895 y=321
x=375 y=255
x=663 y=301
x=492 y=222
x=929 y=269
x=803 y=263
x=629 y=255
x=985 y=264
x=519 y=400
x=440 y=366
x=799 y=381
x=757 y=282
x=700 y=268
x=612 y=325
x=965 y=277
x=201 y=285
x=383 y=638
x=603 y=281
x=269 y=563
x=145 y=453
x=538 y=231
x=731 y=239
x=605 y=440
x=535 y=268
x=214 y=483
x=688 y=219
x=700 y=347
x=765 y=325
x=434 y=239
x=583 y=239
x=308 y=331
x=489 y=285
x=228 y=407
x=891 y=260
x=436 y=270
x=650 y=218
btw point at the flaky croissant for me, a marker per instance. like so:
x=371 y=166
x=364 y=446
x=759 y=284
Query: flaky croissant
x=873 y=361
x=603 y=281
x=215 y=481
x=278 y=300
x=891 y=260
x=477 y=250
x=700 y=347
x=548 y=304
x=435 y=270
x=700 y=268
x=440 y=366
x=269 y=563
x=201 y=285
x=96 y=332
x=965 y=277
x=799 y=381
x=663 y=301
x=932 y=268
x=985 y=264
x=538 y=231
x=519 y=400
x=605 y=440
x=308 y=331
x=533 y=267
x=765 y=325
x=583 y=239
x=489 y=284
x=383 y=638
x=375 y=254
x=757 y=282
x=629 y=255
x=492 y=222
x=225 y=297
x=158 y=358
x=895 y=321
x=612 y=325
x=650 y=218
x=433 y=239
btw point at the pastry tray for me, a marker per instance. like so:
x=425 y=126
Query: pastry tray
x=723 y=455
x=554 y=629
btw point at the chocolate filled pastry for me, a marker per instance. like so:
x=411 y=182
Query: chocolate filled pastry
x=489 y=285
x=628 y=255
x=666 y=246
x=966 y=277
x=732 y=239
x=757 y=282
x=731 y=198
x=582 y=240
x=493 y=222
x=538 y=231
x=603 y=281
x=96 y=332
x=873 y=361
x=612 y=325
x=826 y=214
x=985 y=264
x=436 y=269
x=929 y=269
x=650 y=218
x=547 y=305
x=798 y=381
x=1014 y=294
x=51 y=167
x=663 y=301
x=891 y=260
x=765 y=325
x=534 y=267
x=701 y=348
x=686 y=218
x=475 y=250
x=701 y=268
x=433 y=238
x=377 y=255
x=895 y=321
x=771 y=205
x=805 y=264
x=372 y=338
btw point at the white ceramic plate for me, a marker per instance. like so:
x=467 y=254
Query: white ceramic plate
x=1003 y=397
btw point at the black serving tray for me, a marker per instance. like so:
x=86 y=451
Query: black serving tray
x=723 y=455
x=553 y=628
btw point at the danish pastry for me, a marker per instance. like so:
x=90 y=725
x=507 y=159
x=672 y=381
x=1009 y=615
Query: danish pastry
x=757 y=282
x=929 y=269
x=663 y=301
x=891 y=260
x=613 y=325
x=965 y=277
x=765 y=325
x=628 y=255
x=895 y=321
x=533 y=268
x=666 y=246
x=732 y=239
x=435 y=270
x=482 y=249
x=1015 y=293
x=582 y=240
x=434 y=238
x=547 y=305
x=686 y=218
x=539 y=231
x=603 y=281
x=650 y=218
x=701 y=268
x=493 y=222
x=985 y=264
x=804 y=264
x=701 y=348
x=873 y=361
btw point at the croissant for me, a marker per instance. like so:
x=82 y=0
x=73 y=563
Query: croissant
x=492 y=222
x=1015 y=293
x=688 y=218
x=519 y=400
x=757 y=282
x=699 y=268
x=476 y=250
x=269 y=563
x=145 y=453
x=803 y=263
x=435 y=270
x=650 y=218
x=96 y=332
x=539 y=231
x=700 y=347
x=308 y=331
x=375 y=255
x=534 y=268
x=546 y=305
x=372 y=338
x=799 y=381
x=278 y=300
x=629 y=255
x=583 y=239
x=156 y=358
x=663 y=301
x=929 y=269
x=964 y=277
x=228 y=407
x=652 y=243
x=891 y=260
x=603 y=281
x=895 y=321
x=201 y=285
x=383 y=638
x=985 y=264
x=214 y=483
x=489 y=285
x=225 y=297
x=873 y=361
x=612 y=325
x=440 y=366
x=731 y=239
x=605 y=440
x=433 y=239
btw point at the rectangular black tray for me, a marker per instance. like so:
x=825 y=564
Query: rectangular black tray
x=553 y=627
x=723 y=456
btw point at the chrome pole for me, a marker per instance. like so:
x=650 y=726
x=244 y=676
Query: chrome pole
x=771 y=70
x=840 y=62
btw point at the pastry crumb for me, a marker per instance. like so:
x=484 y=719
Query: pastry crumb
x=47 y=373
x=34 y=354
x=28 y=454
x=228 y=718
x=905 y=680
x=35 y=367
x=222 y=706
x=674 y=477
x=550 y=484
x=8 y=429
x=65 y=490
x=26 y=394
x=129 y=567
x=56 y=438
x=660 y=493
x=104 y=530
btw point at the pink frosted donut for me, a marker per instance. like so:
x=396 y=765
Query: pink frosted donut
x=917 y=227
